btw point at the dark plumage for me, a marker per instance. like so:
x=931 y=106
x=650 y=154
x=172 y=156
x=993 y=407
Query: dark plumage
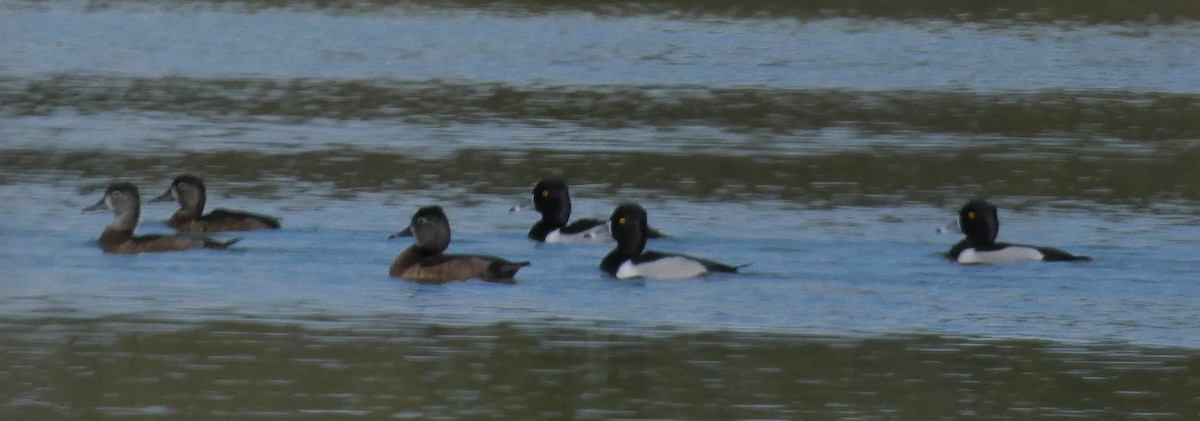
x=629 y=224
x=980 y=223
x=423 y=261
x=125 y=203
x=552 y=199
x=188 y=190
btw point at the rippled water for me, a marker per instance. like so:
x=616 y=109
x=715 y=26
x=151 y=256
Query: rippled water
x=820 y=142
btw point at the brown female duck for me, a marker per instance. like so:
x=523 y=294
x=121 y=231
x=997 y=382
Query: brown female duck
x=125 y=203
x=423 y=261
x=188 y=191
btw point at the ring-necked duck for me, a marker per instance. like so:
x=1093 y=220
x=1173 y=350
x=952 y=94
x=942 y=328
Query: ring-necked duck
x=630 y=259
x=125 y=202
x=978 y=220
x=188 y=190
x=423 y=261
x=552 y=199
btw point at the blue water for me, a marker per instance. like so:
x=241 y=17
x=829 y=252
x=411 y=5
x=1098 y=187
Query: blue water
x=581 y=48
x=855 y=271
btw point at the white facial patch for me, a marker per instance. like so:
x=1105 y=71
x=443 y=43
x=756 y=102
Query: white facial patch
x=1004 y=255
x=673 y=267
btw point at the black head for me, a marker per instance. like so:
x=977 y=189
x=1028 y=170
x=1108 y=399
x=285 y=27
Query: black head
x=430 y=227
x=187 y=190
x=552 y=199
x=978 y=219
x=630 y=227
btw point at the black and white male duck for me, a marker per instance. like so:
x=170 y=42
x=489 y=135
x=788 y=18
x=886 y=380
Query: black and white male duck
x=630 y=259
x=423 y=261
x=552 y=199
x=188 y=191
x=125 y=203
x=978 y=220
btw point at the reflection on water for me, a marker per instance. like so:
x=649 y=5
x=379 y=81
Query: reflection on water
x=1095 y=114
x=1093 y=11
x=400 y=367
x=877 y=177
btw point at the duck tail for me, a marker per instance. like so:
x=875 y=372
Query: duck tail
x=506 y=270
x=215 y=244
x=1056 y=255
x=733 y=268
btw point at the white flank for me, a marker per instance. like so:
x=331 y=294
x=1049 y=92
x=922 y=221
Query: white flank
x=666 y=268
x=1005 y=255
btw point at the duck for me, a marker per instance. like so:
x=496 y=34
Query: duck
x=125 y=203
x=979 y=222
x=425 y=262
x=552 y=199
x=630 y=259
x=188 y=191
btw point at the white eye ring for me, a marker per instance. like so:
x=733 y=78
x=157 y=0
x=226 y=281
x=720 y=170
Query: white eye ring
x=181 y=186
x=116 y=194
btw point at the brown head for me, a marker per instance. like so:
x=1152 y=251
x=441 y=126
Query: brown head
x=188 y=191
x=430 y=228
x=123 y=200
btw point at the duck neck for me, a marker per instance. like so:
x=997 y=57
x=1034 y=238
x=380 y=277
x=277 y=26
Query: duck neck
x=541 y=229
x=613 y=260
x=423 y=252
x=981 y=241
x=125 y=221
x=403 y=261
x=193 y=207
x=631 y=248
x=624 y=254
x=556 y=219
x=112 y=238
x=119 y=231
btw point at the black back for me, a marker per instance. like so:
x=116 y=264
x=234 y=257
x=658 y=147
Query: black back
x=980 y=223
x=552 y=199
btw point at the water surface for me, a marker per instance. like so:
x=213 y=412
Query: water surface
x=819 y=142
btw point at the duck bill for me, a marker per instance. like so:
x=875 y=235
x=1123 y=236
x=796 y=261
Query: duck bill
x=950 y=228
x=165 y=197
x=406 y=233
x=522 y=206
x=101 y=205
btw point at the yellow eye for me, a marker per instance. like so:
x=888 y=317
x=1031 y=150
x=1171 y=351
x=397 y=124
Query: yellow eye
x=545 y=193
x=621 y=221
x=971 y=215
